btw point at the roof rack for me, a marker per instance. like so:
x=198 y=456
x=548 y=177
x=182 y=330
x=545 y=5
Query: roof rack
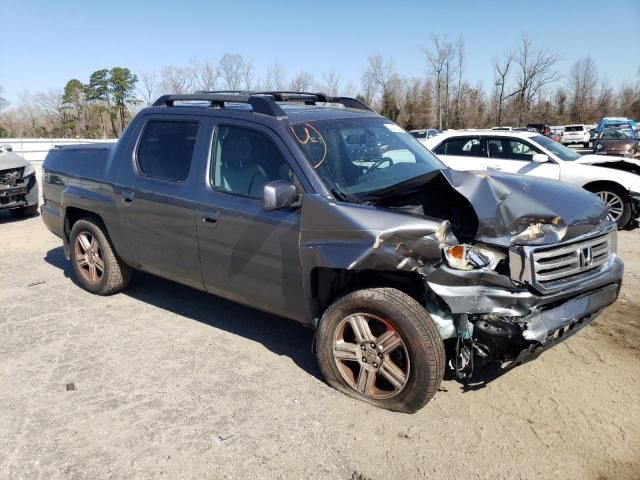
x=308 y=98
x=263 y=105
x=261 y=102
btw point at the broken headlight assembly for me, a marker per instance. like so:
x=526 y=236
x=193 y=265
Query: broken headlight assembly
x=472 y=257
x=28 y=170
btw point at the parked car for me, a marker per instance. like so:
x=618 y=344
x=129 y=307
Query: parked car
x=616 y=180
x=542 y=128
x=615 y=123
x=387 y=258
x=18 y=186
x=425 y=133
x=616 y=142
x=576 y=134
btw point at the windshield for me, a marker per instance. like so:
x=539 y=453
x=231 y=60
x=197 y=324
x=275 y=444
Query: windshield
x=576 y=128
x=358 y=156
x=559 y=150
x=616 y=135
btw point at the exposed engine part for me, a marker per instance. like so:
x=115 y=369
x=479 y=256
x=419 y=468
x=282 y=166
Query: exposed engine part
x=11 y=177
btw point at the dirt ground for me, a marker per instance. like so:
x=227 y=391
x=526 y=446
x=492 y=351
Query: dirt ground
x=167 y=382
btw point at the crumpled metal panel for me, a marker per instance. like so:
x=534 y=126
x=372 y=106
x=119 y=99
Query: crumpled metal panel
x=539 y=325
x=523 y=210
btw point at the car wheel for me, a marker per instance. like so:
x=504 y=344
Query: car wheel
x=22 y=212
x=96 y=266
x=618 y=203
x=585 y=144
x=380 y=345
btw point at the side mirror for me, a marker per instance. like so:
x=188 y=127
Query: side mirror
x=279 y=194
x=6 y=147
x=540 y=158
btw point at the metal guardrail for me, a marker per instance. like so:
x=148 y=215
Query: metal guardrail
x=36 y=149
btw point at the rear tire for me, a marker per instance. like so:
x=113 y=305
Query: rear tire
x=96 y=265
x=380 y=345
x=585 y=145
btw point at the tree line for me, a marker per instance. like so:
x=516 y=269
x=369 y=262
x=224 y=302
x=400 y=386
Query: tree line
x=527 y=86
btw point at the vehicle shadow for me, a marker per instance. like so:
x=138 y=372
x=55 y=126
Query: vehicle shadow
x=280 y=335
x=6 y=217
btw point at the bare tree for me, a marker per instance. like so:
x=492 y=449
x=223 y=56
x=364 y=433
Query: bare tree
x=302 y=82
x=583 y=81
x=177 y=79
x=536 y=70
x=235 y=72
x=459 y=54
x=206 y=75
x=330 y=83
x=276 y=77
x=439 y=63
x=147 y=87
x=501 y=72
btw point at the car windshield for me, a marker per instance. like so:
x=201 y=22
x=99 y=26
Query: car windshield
x=616 y=135
x=358 y=156
x=559 y=150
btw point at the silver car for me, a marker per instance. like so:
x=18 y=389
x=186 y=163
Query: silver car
x=18 y=185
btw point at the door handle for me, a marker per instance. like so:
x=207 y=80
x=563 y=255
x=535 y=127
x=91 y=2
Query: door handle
x=127 y=197
x=494 y=167
x=210 y=218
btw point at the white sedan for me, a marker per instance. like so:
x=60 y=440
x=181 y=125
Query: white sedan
x=616 y=180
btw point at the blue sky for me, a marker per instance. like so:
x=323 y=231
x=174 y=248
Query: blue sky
x=45 y=43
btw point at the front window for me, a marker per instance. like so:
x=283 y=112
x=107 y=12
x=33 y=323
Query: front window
x=358 y=156
x=559 y=150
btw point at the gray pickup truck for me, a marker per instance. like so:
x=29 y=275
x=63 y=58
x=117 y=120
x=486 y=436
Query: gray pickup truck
x=317 y=209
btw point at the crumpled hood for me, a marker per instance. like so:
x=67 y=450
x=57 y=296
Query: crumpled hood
x=592 y=159
x=11 y=160
x=523 y=210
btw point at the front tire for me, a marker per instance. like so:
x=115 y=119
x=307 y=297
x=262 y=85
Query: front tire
x=380 y=345
x=618 y=203
x=96 y=266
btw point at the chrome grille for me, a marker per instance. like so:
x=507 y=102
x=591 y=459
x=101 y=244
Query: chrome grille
x=559 y=266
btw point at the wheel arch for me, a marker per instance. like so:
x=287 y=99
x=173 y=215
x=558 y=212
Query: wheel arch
x=330 y=284
x=595 y=185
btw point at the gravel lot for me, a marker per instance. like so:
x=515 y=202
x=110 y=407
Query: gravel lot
x=163 y=381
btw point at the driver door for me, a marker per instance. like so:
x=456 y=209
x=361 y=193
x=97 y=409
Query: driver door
x=247 y=254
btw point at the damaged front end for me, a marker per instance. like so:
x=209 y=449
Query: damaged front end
x=511 y=265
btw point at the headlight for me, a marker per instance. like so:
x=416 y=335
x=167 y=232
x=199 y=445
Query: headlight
x=469 y=257
x=599 y=147
x=29 y=170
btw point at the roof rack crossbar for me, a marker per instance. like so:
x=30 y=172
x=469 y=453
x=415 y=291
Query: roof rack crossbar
x=259 y=104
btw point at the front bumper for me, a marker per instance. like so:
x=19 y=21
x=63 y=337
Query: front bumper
x=20 y=196
x=515 y=324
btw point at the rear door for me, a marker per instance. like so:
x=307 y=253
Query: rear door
x=156 y=205
x=248 y=254
x=515 y=155
x=462 y=153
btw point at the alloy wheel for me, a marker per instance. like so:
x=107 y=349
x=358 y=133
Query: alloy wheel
x=371 y=356
x=614 y=203
x=89 y=259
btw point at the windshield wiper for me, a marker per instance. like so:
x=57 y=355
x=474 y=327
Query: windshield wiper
x=345 y=197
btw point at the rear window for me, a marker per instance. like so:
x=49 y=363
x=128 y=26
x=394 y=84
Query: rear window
x=165 y=149
x=574 y=128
